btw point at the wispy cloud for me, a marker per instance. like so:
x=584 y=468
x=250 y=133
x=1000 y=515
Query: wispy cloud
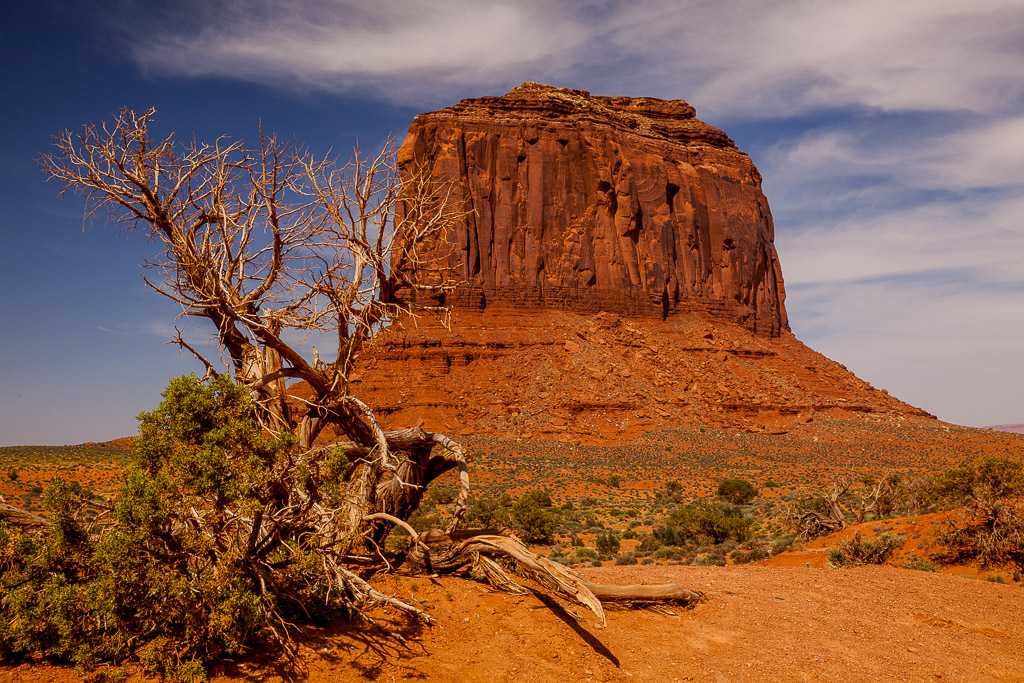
x=401 y=49
x=763 y=59
x=957 y=153
x=951 y=346
x=784 y=57
x=163 y=329
x=980 y=237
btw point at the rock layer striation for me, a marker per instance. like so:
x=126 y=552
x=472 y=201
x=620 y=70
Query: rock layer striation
x=585 y=203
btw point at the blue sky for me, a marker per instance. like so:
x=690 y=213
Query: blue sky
x=890 y=136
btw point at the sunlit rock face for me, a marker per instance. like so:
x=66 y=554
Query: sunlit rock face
x=585 y=203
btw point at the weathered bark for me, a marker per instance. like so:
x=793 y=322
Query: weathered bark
x=810 y=523
x=29 y=521
x=666 y=592
x=467 y=548
x=268 y=242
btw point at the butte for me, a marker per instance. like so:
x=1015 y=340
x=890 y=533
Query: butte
x=617 y=276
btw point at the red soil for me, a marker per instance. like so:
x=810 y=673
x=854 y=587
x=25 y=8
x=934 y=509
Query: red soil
x=758 y=623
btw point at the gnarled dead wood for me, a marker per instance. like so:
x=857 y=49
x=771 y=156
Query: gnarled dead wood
x=665 y=592
x=467 y=547
x=271 y=244
x=29 y=521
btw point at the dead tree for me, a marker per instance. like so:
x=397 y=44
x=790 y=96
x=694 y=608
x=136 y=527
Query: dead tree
x=879 y=498
x=827 y=513
x=821 y=514
x=269 y=244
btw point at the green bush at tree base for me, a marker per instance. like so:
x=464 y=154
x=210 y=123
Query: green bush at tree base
x=148 y=586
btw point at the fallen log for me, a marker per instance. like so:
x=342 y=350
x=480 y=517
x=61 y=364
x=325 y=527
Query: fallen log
x=665 y=592
x=468 y=546
x=23 y=519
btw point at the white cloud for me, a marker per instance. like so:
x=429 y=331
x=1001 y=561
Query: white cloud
x=866 y=202
x=783 y=57
x=978 y=238
x=400 y=48
x=962 y=153
x=989 y=156
x=951 y=348
x=732 y=59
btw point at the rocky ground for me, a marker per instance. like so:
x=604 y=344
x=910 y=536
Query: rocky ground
x=758 y=623
x=600 y=378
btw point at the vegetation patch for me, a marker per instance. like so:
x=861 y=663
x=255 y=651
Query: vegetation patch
x=857 y=552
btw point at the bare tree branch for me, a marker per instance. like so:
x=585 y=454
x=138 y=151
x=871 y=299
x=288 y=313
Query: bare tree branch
x=271 y=244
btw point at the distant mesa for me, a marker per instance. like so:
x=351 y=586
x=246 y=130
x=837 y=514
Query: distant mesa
x=1013 y=428
x=586 y=203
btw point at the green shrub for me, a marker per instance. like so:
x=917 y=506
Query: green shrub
x=921 y=564
x=172 y=599
x=704 y=521
x=490 y=512
x=737 y=491
x=857 y=552
x=757 y=552
x=625 y=560
x=423 y=519
x=607 y=543
x=990 y=530
x=534 y=517
x=649 y=543
x=710 y=560
x=670 y=552
x=783 y=543
x=612 y=481
x=673 y=492
x=442 y=494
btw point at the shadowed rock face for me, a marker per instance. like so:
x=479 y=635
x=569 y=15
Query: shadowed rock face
x=587 y=203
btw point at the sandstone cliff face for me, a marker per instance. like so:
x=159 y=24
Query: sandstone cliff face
x=587 y=203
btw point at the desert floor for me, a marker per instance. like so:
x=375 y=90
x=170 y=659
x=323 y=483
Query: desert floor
x=758 y=623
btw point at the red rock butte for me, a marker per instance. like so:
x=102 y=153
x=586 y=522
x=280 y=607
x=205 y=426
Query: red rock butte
x=585 y=203
x=617 y=276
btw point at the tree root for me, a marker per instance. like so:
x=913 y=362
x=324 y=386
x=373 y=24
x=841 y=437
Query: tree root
x=482 y=550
